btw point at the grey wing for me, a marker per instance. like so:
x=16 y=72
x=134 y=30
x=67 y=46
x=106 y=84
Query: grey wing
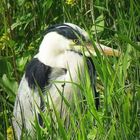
x=92 y=74
x=28 y=99
x=25 y=108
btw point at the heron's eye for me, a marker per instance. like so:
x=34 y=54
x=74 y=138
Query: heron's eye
x=76 y=41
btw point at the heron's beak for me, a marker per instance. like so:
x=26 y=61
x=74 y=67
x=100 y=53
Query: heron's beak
x=102 y=49
x=89 y=50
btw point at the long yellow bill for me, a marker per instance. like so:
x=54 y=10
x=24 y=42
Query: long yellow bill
x=89 y=50
x=102 y=49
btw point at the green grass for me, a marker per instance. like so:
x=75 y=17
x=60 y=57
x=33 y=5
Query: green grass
x=113 y=23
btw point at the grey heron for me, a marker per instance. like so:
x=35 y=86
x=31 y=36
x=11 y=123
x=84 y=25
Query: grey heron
x=59 y=58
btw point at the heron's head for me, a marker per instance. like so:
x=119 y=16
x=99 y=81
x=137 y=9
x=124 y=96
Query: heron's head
x=69 y=37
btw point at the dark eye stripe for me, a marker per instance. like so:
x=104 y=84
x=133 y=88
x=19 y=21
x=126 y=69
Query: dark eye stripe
x=67 y=31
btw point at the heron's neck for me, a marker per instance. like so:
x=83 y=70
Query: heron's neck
x=69 y=60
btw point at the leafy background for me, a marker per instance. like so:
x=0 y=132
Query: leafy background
x=115 y=23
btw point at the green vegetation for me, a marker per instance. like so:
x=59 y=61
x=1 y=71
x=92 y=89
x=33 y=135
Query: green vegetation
x=115 y=23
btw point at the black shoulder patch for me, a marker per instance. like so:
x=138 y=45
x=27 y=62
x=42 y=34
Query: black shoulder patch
x=37 y=74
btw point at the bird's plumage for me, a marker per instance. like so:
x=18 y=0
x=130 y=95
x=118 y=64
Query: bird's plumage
x=36 y=70
x=55 y=61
